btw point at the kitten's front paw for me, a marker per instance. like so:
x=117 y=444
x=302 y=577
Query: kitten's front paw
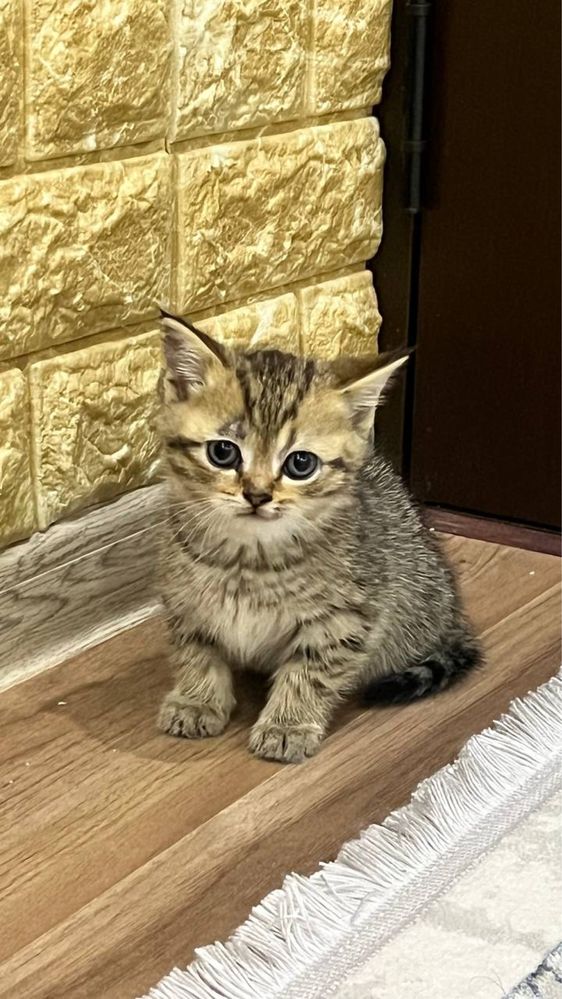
x=288 y=743
x=192 y=721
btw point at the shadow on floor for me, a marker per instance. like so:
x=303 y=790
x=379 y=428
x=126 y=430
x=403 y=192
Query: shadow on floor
x=120 y=711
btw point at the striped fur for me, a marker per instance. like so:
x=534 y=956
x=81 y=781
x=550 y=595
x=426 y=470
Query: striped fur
x=332 y=587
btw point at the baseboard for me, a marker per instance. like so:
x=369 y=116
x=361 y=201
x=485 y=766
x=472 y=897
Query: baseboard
x=78 y=583
x=497 y=531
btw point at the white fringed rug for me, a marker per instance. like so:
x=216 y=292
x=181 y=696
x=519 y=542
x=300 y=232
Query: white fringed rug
x=427 y=903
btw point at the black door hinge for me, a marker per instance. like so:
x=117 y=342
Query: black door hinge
x=415 y=143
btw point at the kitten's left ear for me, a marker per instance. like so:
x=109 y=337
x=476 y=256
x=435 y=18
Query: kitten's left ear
x=365 y=389
x=189 y=354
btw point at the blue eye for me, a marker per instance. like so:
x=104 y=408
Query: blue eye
x=224 y=454
x=300 y=465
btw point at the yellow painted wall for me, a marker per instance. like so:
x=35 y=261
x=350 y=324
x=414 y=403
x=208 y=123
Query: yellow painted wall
x=216 y=156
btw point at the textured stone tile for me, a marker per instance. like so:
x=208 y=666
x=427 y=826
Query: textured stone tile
x=93 y=413
x=97 y=74
x=255 y=215
x=350 y=53
x=16 y=498
x=82 y=250
x=340 y=317
x=272 y=323
x=10 y=80
x=242 y=63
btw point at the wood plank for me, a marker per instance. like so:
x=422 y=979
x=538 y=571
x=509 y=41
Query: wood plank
x=117 y=765
x=495 y=579
x=122 y=849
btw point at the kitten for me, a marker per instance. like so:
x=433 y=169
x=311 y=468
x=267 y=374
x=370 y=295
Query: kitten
x=291 y=547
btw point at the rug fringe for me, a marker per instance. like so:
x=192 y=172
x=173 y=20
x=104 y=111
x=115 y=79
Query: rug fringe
x=295 y=925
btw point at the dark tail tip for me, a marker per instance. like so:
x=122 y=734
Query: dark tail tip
x=430 y=677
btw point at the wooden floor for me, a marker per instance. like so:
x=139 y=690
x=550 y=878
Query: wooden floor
x=121 y=849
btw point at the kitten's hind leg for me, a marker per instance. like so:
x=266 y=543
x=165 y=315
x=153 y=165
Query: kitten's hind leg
x=202 y=700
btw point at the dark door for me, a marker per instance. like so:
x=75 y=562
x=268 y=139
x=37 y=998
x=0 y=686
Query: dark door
x=486 y=416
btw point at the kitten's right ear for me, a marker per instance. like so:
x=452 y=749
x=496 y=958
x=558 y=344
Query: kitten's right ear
x=189 y=354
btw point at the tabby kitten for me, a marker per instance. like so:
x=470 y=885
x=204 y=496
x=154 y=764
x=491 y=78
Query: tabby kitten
x=291 y=547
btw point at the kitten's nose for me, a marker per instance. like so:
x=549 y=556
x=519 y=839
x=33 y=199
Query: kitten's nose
x=256 y=498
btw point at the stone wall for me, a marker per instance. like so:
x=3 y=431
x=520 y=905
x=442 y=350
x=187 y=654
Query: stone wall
x=214 y=156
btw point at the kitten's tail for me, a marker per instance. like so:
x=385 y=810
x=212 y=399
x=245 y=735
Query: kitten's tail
x=430 y=676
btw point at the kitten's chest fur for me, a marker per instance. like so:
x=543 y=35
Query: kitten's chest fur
x=253 y=615
x=250 y=636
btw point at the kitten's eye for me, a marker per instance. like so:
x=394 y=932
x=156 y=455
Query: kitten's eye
x=300 y=464
x=224 y=454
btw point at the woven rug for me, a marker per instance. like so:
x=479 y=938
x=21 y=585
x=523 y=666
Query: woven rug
x=486 y=932
x=434 y=871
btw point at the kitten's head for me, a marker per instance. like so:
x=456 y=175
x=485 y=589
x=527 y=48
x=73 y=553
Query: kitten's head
x=263 y=445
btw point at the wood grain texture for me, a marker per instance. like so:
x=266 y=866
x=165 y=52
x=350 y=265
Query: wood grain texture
x=123 y=849
x=78 y=583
